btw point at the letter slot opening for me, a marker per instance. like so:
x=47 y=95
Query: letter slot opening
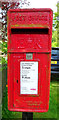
x=30 y=31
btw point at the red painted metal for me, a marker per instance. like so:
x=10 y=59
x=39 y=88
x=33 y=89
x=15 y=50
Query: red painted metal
x=29 y=31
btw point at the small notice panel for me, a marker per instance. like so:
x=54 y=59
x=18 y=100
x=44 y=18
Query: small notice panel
x=29 y=77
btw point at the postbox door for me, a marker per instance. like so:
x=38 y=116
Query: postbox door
x=20 y=97
x=25 y=101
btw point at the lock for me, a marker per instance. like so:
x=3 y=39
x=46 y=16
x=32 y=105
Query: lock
x=29 y=56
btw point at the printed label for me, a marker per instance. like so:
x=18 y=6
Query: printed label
x=28 y=77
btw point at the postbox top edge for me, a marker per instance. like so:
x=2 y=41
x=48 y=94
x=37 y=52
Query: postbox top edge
x=31 y=10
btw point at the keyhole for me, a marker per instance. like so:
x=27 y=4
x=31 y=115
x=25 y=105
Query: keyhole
x=17 y=81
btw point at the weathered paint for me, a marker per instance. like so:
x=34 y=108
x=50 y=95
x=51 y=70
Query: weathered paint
x=29 y=25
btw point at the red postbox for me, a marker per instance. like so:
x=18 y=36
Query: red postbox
x=29 y=57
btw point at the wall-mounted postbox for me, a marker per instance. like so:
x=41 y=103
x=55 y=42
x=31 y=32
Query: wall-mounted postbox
x=29 y=57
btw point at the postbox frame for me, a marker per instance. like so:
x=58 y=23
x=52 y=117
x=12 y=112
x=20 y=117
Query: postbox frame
x=11 y=106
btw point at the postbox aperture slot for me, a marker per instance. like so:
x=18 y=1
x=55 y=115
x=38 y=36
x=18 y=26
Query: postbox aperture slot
x=30 y=31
